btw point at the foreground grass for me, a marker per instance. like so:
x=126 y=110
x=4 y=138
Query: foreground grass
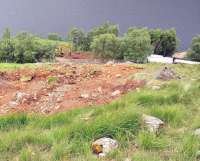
x=68 y=136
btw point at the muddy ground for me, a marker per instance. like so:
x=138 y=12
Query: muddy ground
x=60 y=87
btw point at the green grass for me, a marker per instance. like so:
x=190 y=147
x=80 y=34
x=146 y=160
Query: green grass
x=13 y=66
x=68 y=136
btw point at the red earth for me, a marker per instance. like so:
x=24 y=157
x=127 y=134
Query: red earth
x=59 y=87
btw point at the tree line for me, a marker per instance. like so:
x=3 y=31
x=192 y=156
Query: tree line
x=104 y=40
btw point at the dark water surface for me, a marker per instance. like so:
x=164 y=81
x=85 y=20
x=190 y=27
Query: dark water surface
x=43 y=16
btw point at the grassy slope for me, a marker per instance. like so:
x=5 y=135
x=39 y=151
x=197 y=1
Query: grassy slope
x=68 y=136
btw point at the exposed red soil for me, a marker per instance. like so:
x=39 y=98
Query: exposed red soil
x=61 y=87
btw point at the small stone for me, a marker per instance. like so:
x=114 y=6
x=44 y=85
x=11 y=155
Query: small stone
x=156 y=87
x=57 y=107
x=12 y=104
x=26 y=78
x=85 y=95
x=116 y=93
x=21 y=97
x=110 y=63
x=99 y=90
x=198 y=155
x=197 y=132
x=127 y=159
x=153 y=124
x=118 y=75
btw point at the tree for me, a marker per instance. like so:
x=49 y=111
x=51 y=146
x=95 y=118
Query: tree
x=78 y=38
x=106 y=46
x=106 y=28
x=194 y=51
x=54 y=36
x=137 y=45
x=164 y=42
x=6 y=34
x=6 y=47
x=25 y=48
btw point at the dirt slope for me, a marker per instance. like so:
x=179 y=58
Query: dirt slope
x=60 y=87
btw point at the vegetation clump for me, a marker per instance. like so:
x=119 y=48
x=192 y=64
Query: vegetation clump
x=194 y=51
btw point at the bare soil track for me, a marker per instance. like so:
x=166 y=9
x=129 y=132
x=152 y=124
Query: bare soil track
x=60 y=87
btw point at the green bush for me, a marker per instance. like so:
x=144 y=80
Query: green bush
x=194 y=51
x=106 y=46
x=137 y=45
x=54 y=36
x=164 y=42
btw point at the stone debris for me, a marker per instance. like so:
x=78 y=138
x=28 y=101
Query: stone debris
x=77 y=85
x=153 y=124
x=22 y=97
x=103 y=146
x=116 y=93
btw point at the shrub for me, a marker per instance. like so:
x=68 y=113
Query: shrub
x=106 y=46
x=54 y=36
x=164 y=42
x=137 y=45
x=194 y=51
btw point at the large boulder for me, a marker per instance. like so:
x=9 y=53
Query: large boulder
x=152 y=123
x=103 y=146
x=167 y=74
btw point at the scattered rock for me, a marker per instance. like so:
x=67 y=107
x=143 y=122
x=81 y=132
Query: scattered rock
x=129 y=62
x=12 y=104
x=22 y=97
x=99 y=89
x=198 y=155
x=118 y=75
x=26 y=78
x=116 y=93
x=153 y=124
x=167 y=74
x=197 y=132
x=85 y=95
x=127 y=159
x=111 y=62
x=103 y=146
x=156 y=87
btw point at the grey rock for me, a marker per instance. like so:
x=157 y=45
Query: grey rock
x=116 y=93
x=103 y=146
x=197 y=132
x=153 y=124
